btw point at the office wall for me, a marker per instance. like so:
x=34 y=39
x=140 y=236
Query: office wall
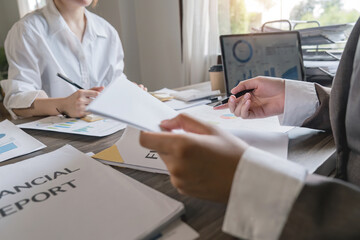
x=150 y=32
x=9 y=14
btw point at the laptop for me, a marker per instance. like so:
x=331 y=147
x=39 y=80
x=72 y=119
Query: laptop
x=275 y=54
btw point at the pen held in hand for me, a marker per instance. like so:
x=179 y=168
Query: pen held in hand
x=69 y=81
x=237 y=95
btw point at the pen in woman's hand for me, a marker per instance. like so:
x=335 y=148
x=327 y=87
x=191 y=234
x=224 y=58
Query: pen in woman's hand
x=69 y=81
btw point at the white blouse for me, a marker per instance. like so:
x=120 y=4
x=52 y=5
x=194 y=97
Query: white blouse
x=41 y=44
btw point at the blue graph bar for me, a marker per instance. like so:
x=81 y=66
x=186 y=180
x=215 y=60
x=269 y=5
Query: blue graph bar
x=7 y=147
x=266 y=73
x=247 y=77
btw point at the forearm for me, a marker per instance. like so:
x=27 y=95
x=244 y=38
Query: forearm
x=326 y=208
x=321 y=118
x=42 y=107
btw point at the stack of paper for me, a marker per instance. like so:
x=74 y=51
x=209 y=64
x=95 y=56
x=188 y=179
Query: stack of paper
x=14 y=142
x=66 y=194
x=146 y=112
x=178 y=104
x=193 y=94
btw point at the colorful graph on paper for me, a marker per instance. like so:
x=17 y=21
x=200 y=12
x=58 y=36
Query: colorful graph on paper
x=6 y=144
x=15 y=142
x=98 y=128
x=226 y=120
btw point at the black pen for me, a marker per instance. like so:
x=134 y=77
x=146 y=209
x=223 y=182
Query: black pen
x=68 y=81
x=237 y=95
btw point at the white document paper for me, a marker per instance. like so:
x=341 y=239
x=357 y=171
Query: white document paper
x=137 y=157
x=14 y=142
x=124 y=101
x=273 y=142
x=61 y=124
x=178 y=231
x=179 y=105
x=226 y=120
x=67 y=195
x=193 y=94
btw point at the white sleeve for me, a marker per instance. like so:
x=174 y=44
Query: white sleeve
x=262 y=194
x=24 y=84
x=301 y=102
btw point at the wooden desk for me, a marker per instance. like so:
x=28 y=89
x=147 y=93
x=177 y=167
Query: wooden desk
x=205 y=217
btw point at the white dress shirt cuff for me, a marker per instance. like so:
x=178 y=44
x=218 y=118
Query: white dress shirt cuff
x=301 y=102
x=22 y=100
x=263 y=192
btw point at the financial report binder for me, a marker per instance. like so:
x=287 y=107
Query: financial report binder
x=67 y=195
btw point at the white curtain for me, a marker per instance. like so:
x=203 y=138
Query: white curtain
x=200 y=38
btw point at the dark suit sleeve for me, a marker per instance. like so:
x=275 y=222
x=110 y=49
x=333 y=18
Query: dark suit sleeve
x=325 y=209
x=321 y=118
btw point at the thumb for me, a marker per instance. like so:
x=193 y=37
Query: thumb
x=98 y=89
x=245 y=85
x=188 y=124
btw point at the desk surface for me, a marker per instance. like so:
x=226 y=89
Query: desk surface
x=205 y=217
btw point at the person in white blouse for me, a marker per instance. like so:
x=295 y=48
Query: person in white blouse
x=62 y=37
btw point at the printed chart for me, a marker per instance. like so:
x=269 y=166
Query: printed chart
x=6 y=144
x=98 y=128
x=14 y=142
x=226 y=120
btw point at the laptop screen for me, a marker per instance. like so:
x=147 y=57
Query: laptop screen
x=261 y=54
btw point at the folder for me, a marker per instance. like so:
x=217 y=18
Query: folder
x=68 y=195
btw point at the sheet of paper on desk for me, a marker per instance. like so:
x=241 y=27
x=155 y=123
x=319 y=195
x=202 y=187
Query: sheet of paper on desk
x=68 y=195
x=127 y=152
x=178 y=104
x=272 y=142
x=124 y=101
x=61 y=124
x=226 y=120
x=178 y=231
x=14 y=142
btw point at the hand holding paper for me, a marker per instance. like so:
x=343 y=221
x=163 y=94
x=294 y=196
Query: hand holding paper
x=124 y=101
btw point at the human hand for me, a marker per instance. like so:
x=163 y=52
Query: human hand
x=141 y=86
x=267 y=98
x=201 y=162
x=75 y=104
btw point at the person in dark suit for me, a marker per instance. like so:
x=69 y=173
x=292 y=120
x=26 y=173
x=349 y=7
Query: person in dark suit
x=269 y=197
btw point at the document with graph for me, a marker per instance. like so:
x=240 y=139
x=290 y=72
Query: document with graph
x=99 y=128
x=14 y=142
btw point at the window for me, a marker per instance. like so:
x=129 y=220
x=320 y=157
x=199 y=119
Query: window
x=26 y=6
x=243 y=16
